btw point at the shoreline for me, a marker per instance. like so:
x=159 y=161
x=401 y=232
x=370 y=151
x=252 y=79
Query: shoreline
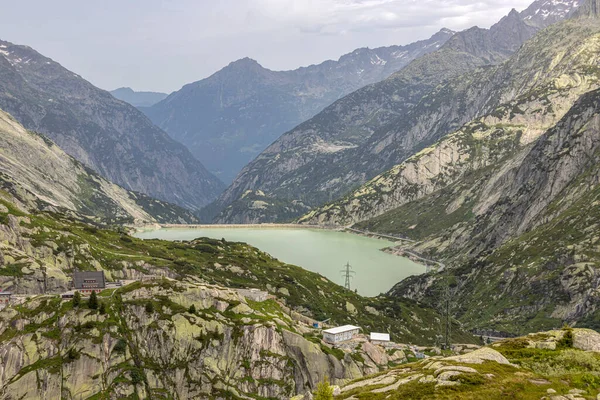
x=392 y=250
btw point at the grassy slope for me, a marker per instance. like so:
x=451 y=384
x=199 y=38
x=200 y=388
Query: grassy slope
x=532 y=373
x=228 y=264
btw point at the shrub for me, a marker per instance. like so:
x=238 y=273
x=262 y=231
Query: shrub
x=192 y=309
x=102 y=308
x=120 y=347
x=149 y=307
x=73 y=354
x=566 y=342
x=136 y=376
x=324 y=390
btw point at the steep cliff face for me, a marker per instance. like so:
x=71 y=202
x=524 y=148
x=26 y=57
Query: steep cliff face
x=105 y=134
x=227 y=347
x=523 y=97
x=507 y=203
x=42 y=172
x=363 y=134
x=529 y=232
x=227 y=119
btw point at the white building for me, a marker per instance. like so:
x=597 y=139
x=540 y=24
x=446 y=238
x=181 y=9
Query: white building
x=340 y=334
x=379 y=338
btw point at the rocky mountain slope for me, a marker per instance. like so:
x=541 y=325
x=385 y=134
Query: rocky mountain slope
x=109 y=136
x=41 y=172
x=40 y=251
x=520 y=99
x=138 y=99
x=146 y=340
x=228 y=347
x=556 y=365
x=365 y=133
x=509 y=207
x=227 y=119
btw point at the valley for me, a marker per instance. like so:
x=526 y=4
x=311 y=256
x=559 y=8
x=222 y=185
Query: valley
x=321 y=251
x=416 y=221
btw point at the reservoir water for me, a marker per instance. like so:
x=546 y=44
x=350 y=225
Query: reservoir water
x=322 y=251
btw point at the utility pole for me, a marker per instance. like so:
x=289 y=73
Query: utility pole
x=446 y=310
x=348 y=274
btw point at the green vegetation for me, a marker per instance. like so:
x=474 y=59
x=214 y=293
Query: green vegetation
x=324 y=390
x=76 y=299
x=93 y=301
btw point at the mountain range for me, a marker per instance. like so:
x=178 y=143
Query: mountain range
x=509 y=198
x=138 y=99
x=227 y=119
x=105 y=134
x=374 y=128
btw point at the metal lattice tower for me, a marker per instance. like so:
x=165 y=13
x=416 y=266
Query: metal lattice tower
x=348 y=274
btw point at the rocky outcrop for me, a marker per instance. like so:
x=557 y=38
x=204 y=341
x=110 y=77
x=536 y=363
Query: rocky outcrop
x=242 y=351
x=33 y=164
x=524 y=97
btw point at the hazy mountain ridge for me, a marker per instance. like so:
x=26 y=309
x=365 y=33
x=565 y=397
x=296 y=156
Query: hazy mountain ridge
x=106 y=134
x=226 y=120
x=42 y=173
x=361 y=135
x=138 y=99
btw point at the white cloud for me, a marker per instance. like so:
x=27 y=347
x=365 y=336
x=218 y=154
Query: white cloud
x=163 y=44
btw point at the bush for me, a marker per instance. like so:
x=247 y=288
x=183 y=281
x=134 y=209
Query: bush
x=102 y=308
x=149 y=307
x=566 y=342
x=73 y=354
x=192 y=309
x=324 y=390
x=120 y=347
x=136 y=376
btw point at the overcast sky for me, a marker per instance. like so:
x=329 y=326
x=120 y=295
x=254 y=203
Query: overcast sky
x=163 y=44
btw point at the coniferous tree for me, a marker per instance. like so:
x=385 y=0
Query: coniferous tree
x=93 y=301
x=76 y=299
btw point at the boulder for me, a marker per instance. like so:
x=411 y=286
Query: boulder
x=479 y=356
x=586 y=339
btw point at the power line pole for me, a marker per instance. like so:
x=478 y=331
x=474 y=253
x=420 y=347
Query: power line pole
x=348 y=274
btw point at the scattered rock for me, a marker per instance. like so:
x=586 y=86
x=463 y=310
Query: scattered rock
x=456 y=368
x=479 y=356
x=350 y=308
x=551 y=391
x=371 y=310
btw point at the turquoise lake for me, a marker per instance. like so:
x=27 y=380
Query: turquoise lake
x=322 y=251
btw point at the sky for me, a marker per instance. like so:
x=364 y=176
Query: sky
x=160 y=45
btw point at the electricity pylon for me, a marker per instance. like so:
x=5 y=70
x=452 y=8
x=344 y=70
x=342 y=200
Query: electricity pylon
x=348 y=274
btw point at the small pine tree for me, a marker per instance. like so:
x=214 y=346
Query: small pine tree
x=149 y=307
x=102 y=308
x=192 y=309
x=93 y=301
x=76 y=299
x=324 y=390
